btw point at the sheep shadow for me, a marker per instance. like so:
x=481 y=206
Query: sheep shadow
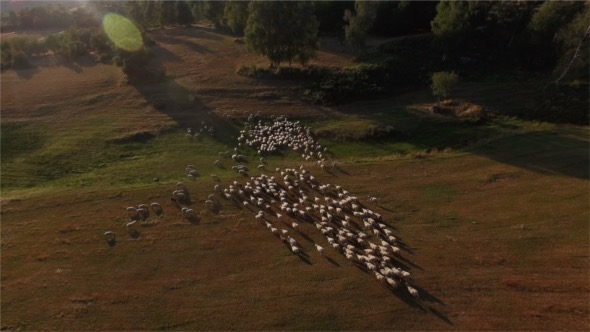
x=215 y=209
x=342 y=171
x=333 y=262
x=303 y=235
x=406 y=297
x=440 y=315
x=193 y=220
x=426 y=296
x=304 y=258
x=112 y=243
x=407 y=262
x=134 y=234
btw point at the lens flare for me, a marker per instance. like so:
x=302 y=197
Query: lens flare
x=122 y=32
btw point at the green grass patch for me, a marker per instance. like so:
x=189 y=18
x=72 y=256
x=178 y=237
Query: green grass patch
x=18 y=139
x=349 y=129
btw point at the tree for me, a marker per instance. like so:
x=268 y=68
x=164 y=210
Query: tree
x=184 y=16
x=235 y=14
x=282 y=31
x=398 y=18
x=443 y=83
x=150 y=13
x=167 y=13
x=552 y=37
x=13 y=19
x=213 y=11
x=452 y=18
x=359 y=23
x=572 y=42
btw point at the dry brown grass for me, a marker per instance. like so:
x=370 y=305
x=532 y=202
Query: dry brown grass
x=231 y=273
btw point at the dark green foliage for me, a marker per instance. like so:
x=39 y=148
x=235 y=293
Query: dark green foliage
x=74 y=49
x=134 y=64
x=5 y=55
x=184 y=16
x=236 y=16
x=211 y=11
x=282 y=31
x=443 y=83
x=329 y=15
x=397 y=18
x=557 y=28
x=150 y=14
x=167 y=10
x=409 y=61
x=572 y=40
x=329 y=85
x=20 y=60
x=452 y=19
x=99 y=42
x=134 y=12
x=359 y=22
x=340 y=85
x=564 y=103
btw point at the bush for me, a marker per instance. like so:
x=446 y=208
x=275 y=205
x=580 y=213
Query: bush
x=20 y=60
x=443 y=83
x=566 y=103
x=5 y=55
x=104 y=58
x=333 y=85
x=328 y=85
x=253 y=71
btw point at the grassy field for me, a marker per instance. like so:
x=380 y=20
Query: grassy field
x=494 y=214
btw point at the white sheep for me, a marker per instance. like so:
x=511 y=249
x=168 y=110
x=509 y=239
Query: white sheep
x=189 y=214
x=131 y=212
x=109 y=236
x=413 y=292
x=157 y=208
x=320 y=249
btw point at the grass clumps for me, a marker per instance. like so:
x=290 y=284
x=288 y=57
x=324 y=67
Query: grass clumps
x=352 y=130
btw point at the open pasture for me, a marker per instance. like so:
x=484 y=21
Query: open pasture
x=495 y=220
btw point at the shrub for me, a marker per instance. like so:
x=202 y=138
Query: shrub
x=567 y=103
x=104 y=57
x=443 y=83
x=20 y=60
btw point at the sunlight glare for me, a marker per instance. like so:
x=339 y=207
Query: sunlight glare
x=122 y=32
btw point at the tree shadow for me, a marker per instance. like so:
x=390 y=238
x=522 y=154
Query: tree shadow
x=558 y=152
x=163 y=54
x=183 y=106
x=26 y=73
x=193 y=46
x=193 y=31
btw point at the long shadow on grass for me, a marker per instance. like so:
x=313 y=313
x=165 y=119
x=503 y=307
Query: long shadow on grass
x=167 y=96
x=333 y=262
x=559 y=152
x=192 y=32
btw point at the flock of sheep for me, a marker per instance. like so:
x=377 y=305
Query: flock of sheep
x=291 y=197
